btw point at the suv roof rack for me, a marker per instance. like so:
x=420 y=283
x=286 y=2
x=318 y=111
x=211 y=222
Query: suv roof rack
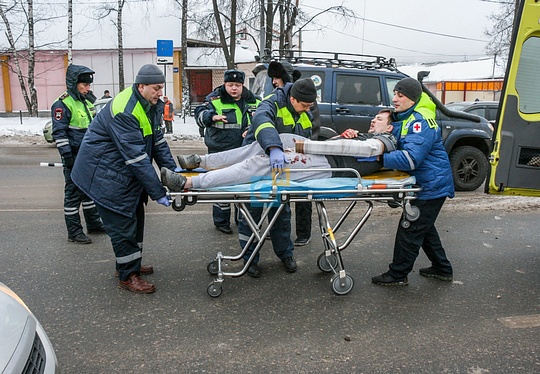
x=333 y=59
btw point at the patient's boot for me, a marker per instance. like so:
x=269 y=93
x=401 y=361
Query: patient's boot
x=189 y=162
x=174 y=181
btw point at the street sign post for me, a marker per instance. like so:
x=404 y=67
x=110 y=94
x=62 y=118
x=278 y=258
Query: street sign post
x=164 y=52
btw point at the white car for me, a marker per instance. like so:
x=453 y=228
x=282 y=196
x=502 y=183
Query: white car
x=47 y=130
x=24 y=345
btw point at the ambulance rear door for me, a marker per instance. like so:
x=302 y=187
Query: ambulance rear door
x=515 y=160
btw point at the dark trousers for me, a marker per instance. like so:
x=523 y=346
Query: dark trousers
x=421 y=233
x=73 y=199
x=280 y=233
x=221 y=213
x=168 y=127
x=126 y=235
x=303 y=219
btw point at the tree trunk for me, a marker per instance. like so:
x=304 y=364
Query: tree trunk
x=33 y=109
x=232 y=40
x=70 y=32
x=269 y=24
x=222 y=38
x=186 y=98
x=121 y=81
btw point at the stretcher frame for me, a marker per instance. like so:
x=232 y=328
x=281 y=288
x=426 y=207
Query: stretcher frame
x=395 y=195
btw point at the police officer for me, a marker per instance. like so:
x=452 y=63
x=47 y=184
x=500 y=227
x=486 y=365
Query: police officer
x=225 y=116
x=115 y=168
x=71 y=113
x=285 y=111
x=283 y=72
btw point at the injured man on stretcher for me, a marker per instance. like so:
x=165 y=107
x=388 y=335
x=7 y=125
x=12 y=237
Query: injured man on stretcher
x=250 y=163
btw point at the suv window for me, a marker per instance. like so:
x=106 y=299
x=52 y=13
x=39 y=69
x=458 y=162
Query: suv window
x=390 y=84
x=358 y=89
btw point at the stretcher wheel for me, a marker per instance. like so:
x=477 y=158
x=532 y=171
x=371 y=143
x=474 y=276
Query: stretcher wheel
x=412 y=212
x=342 y=286
x=214 y=290
x=405 y=224
x=212 y=267
x=327 y=264
x=178 y=205
x=190 y=200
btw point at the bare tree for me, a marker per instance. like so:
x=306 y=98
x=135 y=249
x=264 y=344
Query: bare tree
x=103 y=12
x=228 y=44
x=26 y=83
x=70 y=32
x=500 y=31
x=183 y=62
x=185 y=82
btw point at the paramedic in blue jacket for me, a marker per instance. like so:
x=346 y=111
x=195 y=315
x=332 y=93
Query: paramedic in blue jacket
x=285 y=111
x=115 y=168
x=422 y=154
x=71 y=114
x=224 y=117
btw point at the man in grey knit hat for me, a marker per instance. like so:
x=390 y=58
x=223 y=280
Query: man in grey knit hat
x=116 y=170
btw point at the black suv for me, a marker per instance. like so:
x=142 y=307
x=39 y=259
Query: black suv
x=351 y=89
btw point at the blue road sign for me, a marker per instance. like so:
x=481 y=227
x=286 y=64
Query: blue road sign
x=164 y=48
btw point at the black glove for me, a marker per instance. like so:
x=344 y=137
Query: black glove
x=68 y=162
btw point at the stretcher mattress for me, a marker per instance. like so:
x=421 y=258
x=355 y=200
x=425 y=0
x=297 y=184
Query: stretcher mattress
x=380 y=180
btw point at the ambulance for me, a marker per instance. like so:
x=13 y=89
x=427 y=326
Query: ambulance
x=515 y=159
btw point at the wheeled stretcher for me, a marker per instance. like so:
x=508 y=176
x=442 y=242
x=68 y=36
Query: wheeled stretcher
x=392 y=188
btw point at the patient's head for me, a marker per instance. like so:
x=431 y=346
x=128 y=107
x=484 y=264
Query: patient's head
x=382 y=122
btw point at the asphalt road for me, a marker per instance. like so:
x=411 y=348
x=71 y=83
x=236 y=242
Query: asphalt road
x=486 y=321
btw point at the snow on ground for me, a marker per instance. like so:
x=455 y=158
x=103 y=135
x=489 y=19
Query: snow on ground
x=16 y=127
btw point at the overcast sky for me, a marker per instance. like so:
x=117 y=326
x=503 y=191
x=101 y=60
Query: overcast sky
x=409 y=31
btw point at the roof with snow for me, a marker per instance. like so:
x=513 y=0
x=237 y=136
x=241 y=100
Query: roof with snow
x=457 y=71
x=213 y=57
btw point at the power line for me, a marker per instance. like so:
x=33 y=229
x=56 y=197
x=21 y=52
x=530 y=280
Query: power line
x=407 y=28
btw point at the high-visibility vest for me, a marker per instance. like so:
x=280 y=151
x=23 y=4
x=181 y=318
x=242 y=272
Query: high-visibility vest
x=120 y=103
x=168 y=112
x=82 y=113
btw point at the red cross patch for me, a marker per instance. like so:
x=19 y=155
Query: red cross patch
x=417 y=127
x=58 y=113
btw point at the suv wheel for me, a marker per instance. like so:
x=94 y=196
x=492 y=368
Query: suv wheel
x=469 y=168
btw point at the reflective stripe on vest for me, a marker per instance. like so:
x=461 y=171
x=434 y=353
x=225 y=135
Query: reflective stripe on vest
x=80 y=117
x=119 y=104
x=285 y=117
x=220 y=107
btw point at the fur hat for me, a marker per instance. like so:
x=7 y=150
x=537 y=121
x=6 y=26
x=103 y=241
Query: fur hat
x=409 y=87
x=234 y=76
x=304 y=90
x=150 y=74
x=283 y=70
x=85 y=78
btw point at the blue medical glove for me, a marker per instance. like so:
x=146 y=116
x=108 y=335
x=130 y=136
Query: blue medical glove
x=277 y=158
x=164 y=201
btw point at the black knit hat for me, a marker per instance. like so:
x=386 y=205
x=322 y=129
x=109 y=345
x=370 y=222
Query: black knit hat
x=150 y=74
x=283 y=70
x=304 y=90
x=409 y=87
x=85 y=78
x=234 y=76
